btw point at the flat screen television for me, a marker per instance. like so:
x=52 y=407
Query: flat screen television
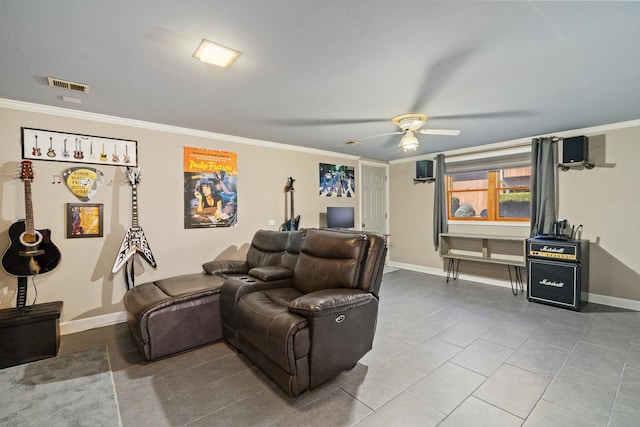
x=340 y=217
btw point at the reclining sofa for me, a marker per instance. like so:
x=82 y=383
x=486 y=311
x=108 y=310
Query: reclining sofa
x=305 y=329
x=303 y=306
x=176 y=314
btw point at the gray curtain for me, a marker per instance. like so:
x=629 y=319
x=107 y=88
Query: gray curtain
x=543 y=185
x=440 y=224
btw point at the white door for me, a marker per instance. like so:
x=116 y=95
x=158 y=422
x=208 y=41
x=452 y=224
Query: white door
x=374 y=198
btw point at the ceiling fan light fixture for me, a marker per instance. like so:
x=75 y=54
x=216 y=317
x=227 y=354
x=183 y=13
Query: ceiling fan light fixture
x=215 y=54
x=409 y=142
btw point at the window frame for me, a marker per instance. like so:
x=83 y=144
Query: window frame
x=493 y=191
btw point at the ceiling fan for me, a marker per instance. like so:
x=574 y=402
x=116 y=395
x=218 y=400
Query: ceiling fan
x=410 y=125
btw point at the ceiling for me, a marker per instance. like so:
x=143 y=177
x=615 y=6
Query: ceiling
x=320 y=73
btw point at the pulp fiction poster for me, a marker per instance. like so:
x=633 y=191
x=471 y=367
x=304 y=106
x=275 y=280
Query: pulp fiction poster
x=210 y=196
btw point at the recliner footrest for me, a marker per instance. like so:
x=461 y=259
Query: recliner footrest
x=173 y=315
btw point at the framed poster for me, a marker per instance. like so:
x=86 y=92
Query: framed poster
x=337 y=180
x=40 y=144
x=84 y=220
x=210 y=190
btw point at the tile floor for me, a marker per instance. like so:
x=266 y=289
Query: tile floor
x=457 y=354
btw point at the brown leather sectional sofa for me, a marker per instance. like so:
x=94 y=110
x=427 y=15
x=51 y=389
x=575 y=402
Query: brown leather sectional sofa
x=303 y=305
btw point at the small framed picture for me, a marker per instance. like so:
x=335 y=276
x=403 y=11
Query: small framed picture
x=84 y=220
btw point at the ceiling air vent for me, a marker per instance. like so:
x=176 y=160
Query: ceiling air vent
x=64 y=84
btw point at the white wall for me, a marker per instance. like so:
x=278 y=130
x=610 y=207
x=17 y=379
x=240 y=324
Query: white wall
x=604 y=199
x=83 y=280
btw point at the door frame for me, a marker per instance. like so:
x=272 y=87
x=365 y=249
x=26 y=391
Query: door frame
x=385 y=166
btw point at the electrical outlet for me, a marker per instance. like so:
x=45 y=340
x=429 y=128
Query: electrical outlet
x=271 y=222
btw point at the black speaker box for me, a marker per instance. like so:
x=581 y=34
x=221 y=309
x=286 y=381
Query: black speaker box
x=424 y=169
x=575 y=150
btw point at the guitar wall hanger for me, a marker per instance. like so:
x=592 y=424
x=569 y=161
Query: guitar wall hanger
x=77 y=148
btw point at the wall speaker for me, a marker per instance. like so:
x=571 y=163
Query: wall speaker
x=424 y=169
x=575 y=150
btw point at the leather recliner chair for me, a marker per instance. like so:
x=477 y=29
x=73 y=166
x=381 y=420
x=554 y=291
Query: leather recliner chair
x=305 y=330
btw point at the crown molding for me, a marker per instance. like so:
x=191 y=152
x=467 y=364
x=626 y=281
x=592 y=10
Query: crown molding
x=517 y=144
x=141 y=124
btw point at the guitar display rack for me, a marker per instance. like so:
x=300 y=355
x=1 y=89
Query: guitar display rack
x=40 y=144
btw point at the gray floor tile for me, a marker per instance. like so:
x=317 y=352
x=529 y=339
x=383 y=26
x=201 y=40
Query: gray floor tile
x=427 y=356
x=474 y=412
x=614 y=340
x=462 y=333
x=594 y=358
x=261 y=409
x=539 y=358
x=384 y=349
x=583 y=392
x=411 y=377
x=382 y=383
x=629 y=391
x=624 y=416
x=405 y=411
x=559 y=336
x=513 y=389
x=512 y=336
x=571 y=319
x=334 y=409
x=547 y=414
x=633 y=357
x=483 y=357
x=446 y=388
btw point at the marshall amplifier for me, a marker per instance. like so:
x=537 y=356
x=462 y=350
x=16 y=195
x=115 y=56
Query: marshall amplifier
x=558 y=272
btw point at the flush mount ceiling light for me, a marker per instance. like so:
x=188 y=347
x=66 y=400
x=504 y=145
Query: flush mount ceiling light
x=215 y=54
x=409 y=142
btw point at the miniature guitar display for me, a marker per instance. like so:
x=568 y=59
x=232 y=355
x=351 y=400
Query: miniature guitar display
x=31 y=251
x=36 y=151
x=290 y=223
x=134 y=241
x=103 y=156
x=78 y=153
x=51 y=152
x=65 y=152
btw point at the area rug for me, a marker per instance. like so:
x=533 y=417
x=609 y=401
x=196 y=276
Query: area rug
x=75 y=389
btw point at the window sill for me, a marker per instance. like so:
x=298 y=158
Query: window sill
x=491 y=223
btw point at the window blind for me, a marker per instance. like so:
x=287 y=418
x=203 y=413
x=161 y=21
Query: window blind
x=497 y=162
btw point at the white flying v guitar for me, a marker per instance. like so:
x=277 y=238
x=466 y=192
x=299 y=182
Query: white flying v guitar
x=134 y=240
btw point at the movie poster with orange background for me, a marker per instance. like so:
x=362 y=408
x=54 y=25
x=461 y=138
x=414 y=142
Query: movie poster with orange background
x=210 y=188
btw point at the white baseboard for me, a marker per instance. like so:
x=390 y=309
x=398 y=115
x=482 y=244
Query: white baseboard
x=594 y=298
x=80 y=325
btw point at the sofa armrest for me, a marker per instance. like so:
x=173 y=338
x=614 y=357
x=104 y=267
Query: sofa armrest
x=328 y=301
x=271 y=273
x=225 y=267
x=234 y=288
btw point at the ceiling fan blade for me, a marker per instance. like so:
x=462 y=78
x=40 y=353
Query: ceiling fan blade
x=449 y=132
x=439 y=73
x=383 y=134
x=323 y=122
x=487 y=115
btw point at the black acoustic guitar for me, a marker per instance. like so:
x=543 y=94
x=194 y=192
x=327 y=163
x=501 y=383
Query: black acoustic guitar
x=31 y=251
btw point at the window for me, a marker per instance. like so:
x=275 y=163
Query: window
x=490 y=195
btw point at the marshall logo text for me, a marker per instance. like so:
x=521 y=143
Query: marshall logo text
x=553 y=283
